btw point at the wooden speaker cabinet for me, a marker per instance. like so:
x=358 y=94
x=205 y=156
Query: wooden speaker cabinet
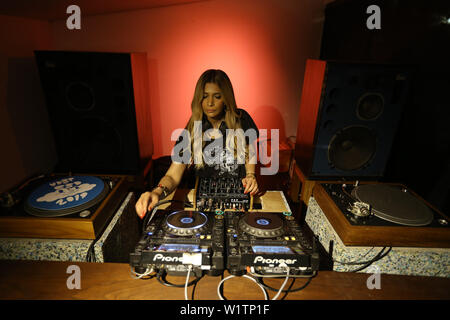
x=99 y=110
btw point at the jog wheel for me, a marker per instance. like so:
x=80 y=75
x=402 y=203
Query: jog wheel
x=262 y=224
x=185 y=223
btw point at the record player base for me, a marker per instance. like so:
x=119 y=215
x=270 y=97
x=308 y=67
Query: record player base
x=400 y=260
x=111 y=246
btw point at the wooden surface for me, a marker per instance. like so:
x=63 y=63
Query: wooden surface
x=47 y=280
x=309 y=112
x=142 y=108
x=301 y=188
x=363 y=235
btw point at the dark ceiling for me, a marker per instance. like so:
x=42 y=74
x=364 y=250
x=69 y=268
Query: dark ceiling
x=56 y=9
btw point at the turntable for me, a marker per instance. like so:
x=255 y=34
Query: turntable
x=389 y=214
x=173 y=241
x=386 y=226
x=62 y=206
x=264 y=241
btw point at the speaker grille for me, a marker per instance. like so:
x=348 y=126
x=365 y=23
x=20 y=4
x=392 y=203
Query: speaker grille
x=95 y=142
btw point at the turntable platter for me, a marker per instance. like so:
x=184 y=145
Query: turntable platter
x=262 y=224
x=65 y=195
x=394 y=204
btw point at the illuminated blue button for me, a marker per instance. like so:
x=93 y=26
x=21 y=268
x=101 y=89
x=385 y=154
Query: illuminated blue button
x=263 y=222
x=187 y=220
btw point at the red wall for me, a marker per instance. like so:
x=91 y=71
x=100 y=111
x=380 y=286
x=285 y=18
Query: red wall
x=261 y=44
x=25 y=136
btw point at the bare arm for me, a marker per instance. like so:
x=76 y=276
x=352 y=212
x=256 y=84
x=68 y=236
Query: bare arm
x=171 y=180
x=250 y=183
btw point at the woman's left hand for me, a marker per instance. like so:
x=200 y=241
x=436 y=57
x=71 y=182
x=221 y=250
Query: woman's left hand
x=250 y=184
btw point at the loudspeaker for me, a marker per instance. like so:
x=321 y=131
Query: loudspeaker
x=349 y=113
x=98 y=105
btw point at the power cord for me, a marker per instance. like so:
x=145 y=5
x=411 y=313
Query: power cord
x=380 y=255
x=187 y=281
x=284 y=283
x=260 y=277
x=161 y=277
x=148 y=272
x=289 y=289
x=244 y=276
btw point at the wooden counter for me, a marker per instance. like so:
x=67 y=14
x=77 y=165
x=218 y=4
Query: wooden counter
x=46 y=280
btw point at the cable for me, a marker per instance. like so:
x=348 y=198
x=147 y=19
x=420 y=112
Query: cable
x=288 y=290
x=282 y=286
x=279 y=291
x=161 y=277
x=375 y=258
x=136 y=275
x=365 y=264
x=186 y=283
x=379 y=257
x=278 y=276
x=193 y=290
x=245 y=276
x=221 y=288
x=356 y=262
x=90 y=255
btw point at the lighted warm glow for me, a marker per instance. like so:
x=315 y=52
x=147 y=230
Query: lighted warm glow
x=261 y=45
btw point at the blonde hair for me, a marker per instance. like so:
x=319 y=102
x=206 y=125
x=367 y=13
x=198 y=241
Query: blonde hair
x=232 y=115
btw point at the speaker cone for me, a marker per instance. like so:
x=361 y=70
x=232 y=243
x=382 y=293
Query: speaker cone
x=370 y=106
x=80 y=96
x=351 y=148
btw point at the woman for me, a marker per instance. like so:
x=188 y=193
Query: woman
x=214 y=111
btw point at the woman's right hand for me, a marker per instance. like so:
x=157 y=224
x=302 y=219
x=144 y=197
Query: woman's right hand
x=146 y=202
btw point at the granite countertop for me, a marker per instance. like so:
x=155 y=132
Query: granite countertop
x=400 y=260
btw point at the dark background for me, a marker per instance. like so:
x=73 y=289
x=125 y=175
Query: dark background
x=416 y=33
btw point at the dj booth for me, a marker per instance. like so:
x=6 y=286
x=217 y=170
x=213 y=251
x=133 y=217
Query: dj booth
x=230 y=244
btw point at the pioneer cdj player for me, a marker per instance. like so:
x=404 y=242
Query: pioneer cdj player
x=223 y=232
x=263 y=242
x=268 y=243
x=175 y=241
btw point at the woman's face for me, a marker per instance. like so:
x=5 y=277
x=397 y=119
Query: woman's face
x=212 y=103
